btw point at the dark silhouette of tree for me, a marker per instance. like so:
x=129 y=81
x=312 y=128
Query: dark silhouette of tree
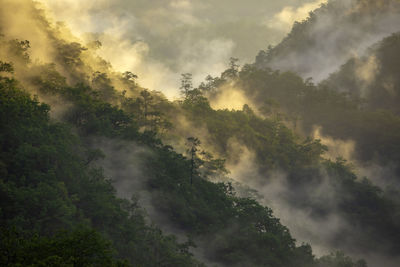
x=129 y=76
x=233 y=70
x=20 y=49
x=186 y=83
x=147 y=101
x=6 y=67
x=193 y=144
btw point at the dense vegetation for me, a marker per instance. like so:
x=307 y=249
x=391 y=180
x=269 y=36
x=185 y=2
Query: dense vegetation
x=59 y=208
x=50 y=185
x=318 y=45
x=373 y=213
x=52 y=199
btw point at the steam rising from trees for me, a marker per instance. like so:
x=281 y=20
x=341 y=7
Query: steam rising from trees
x=158 y=40
x=317 y=47
x=161 y=39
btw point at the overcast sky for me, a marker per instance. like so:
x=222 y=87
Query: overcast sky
x=159 y=39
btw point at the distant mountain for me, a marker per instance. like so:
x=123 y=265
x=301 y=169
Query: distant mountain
x=332 y=34
x=373 y=77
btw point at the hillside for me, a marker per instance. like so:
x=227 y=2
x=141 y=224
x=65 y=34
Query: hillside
x=319 y=45
x=372 y=77
x=99 y=171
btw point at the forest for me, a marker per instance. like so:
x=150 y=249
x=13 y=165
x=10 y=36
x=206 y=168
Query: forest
x=98 y=170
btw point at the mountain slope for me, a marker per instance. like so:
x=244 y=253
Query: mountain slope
x=332 y=34
x=104 y=137
x=373 y=77
x=52 y=179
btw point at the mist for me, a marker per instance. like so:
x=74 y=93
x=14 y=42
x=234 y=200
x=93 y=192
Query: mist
x=332 y=230
x=159 y=40
x=331 y=38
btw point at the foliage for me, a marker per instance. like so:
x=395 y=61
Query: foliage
x=79 y=247
x=338 y=259
x=47 y=185
x=53 y=196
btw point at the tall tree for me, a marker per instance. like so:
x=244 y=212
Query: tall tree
x=186 y=83
x=147 y=98
x=193 y=144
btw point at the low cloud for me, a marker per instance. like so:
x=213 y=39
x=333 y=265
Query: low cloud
x=274 y=191
x=159 y=40
x=124 y=164
x=338 y=31
x=284 y=20
x=229 y=97
x=336 y=147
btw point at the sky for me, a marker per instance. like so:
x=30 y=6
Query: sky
x=160 y=39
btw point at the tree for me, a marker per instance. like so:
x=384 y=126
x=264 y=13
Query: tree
x=193 y=144
x=186 y=83
x=129 y=76
x=20 y=49
x=233 y=70
x=102 y=82
x=6 y=67
x=82 y=246
x=147 y=98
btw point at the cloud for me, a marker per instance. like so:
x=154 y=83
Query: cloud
x=15 y=15
x=340 y=30
x=229 y=97
x=124 y=164
x=289 y=14
x=274 y=190
x=366 y=71
x=336 y=147
x=159 y=39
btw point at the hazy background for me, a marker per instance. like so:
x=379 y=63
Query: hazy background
x=159 y=39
